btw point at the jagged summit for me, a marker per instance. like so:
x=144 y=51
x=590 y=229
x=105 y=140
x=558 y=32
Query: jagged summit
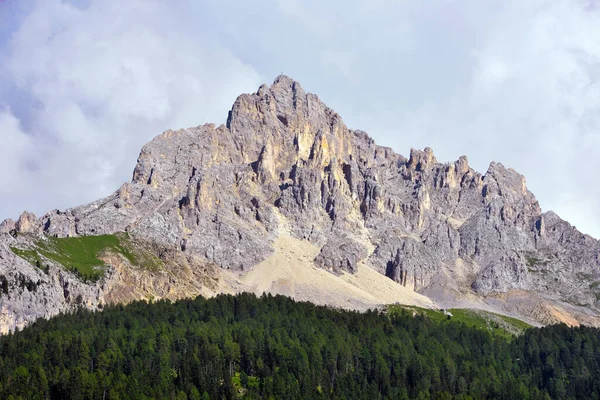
x=285 y=184
x=285 y=97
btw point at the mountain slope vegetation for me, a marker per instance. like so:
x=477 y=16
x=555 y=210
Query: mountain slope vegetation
x=273 y=347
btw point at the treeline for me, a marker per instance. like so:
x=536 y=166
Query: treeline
x=273 y=347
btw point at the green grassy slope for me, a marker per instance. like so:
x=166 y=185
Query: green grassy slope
x=81 y=255
x=496 y=324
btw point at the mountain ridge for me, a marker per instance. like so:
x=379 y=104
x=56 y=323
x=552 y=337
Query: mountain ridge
x=210 y=202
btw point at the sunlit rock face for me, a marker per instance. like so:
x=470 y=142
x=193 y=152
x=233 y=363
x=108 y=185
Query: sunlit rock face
x=212 y=198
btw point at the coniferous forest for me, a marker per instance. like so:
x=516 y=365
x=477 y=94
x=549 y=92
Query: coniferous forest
x=273 y=347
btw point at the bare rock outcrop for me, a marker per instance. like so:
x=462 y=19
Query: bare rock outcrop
x=212 y=193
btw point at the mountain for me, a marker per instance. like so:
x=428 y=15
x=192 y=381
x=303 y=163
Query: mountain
x=285 y=198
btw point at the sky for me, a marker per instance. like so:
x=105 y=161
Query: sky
x=85 y=84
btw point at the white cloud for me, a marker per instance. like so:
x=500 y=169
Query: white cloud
x=516 y=82
x=339 y=62
x=535 y=95
x=104 y=79
x=511 y=81
x=16 y=150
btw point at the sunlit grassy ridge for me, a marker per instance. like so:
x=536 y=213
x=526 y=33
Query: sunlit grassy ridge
x=496 y=324
x=81 y=254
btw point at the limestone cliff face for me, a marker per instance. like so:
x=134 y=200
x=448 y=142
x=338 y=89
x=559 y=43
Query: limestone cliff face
x=214 y=193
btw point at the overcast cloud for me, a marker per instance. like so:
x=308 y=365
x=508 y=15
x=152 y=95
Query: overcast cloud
x=84 y=84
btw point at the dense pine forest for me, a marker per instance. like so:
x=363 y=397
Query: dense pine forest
x=273 y=347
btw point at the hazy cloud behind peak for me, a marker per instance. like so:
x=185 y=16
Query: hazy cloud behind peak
x=84 y=85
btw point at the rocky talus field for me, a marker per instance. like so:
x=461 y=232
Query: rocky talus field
x=284 y=198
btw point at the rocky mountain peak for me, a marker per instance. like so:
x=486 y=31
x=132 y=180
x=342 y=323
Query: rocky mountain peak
x=286 y=167
x=420 y=160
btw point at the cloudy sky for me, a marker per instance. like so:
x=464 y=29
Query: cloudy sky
x=84 y=84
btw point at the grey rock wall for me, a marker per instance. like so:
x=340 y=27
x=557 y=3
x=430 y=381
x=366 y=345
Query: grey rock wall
x=213 y=192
